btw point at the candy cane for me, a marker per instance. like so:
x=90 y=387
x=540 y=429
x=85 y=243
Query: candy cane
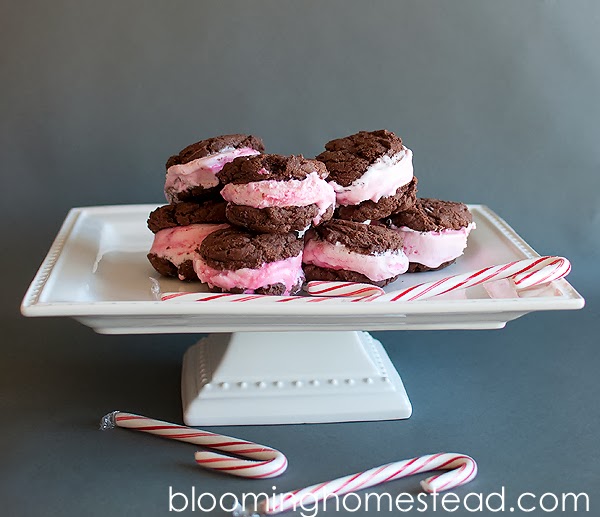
x=266 y=462
x=262 y=462
x=345 y=289
x=526 y=273
x=462 y=469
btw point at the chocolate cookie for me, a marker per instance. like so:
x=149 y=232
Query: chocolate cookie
x=234 y=260
x=182 y=214
x=415 y=267
x=348 y=158
x=371 y=173
x=191 y=174
x=270 y=193
x=283 y=219
x=435 y=233
x=179 y=230
x=271 y=167
x=215 y=145
x=431 y=215
x=404 y=198
x=185 y=270
x=355 y=252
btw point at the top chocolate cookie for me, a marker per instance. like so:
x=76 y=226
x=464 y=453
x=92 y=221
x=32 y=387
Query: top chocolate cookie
x=264 y=167
x=192 y=174
x=215 y=145
x=430 y=215
x=348 y=158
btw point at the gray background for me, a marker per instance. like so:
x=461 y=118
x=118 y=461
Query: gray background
x=498 y=101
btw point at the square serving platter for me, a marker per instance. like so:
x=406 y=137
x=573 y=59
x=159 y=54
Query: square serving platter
x=97 y=272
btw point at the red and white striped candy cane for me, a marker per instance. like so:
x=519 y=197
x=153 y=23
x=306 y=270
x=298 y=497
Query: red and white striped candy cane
x=261 y=461
x=345 y=289
x=462 y=469
x=266 y=462
x=526 y=273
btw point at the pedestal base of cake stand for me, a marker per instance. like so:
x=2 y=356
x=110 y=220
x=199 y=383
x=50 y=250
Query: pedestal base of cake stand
x=289 y=378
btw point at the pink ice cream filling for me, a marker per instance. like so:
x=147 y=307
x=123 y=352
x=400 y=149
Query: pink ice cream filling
x=288 y=272
x=337 y=256
x=383 y=178
x=290 y=193
x=180 y=243
x=432 y=249
x=202 y=171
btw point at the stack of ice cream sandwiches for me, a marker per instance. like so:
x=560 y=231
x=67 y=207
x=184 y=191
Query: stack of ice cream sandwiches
x=242 y=221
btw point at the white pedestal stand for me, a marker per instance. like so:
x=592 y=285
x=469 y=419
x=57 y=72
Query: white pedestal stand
x=290 y=377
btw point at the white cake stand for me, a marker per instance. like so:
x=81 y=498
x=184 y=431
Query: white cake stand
x=273 y=363
x=290 y=377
